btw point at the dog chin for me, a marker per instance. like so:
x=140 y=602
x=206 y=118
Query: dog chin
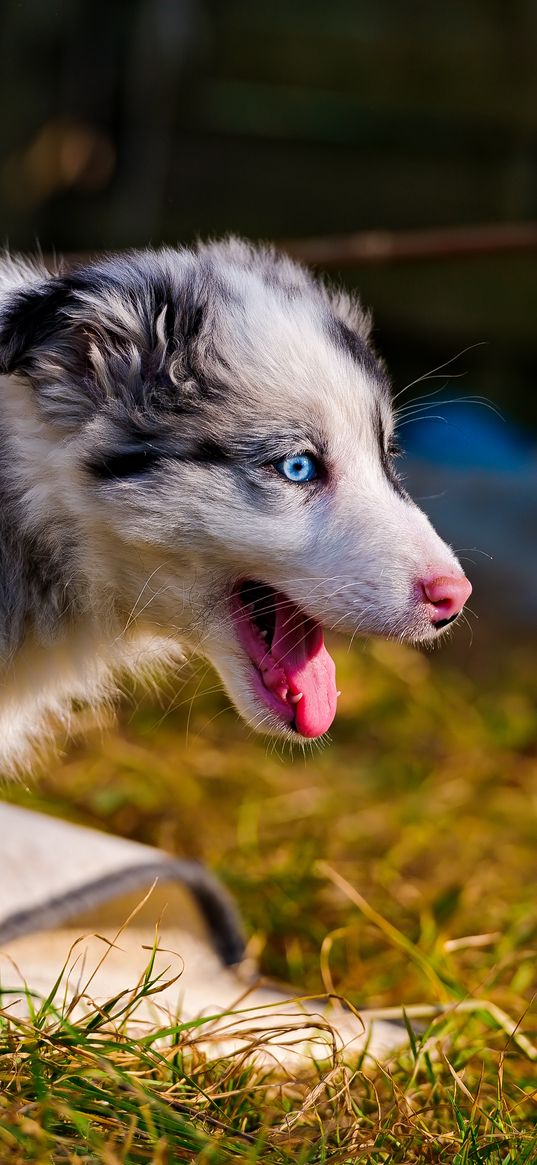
x=239 y=680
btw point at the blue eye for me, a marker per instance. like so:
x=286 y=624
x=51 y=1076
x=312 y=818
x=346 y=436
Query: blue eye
x=299 y=468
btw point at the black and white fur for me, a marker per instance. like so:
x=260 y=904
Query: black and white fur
x=143 y=402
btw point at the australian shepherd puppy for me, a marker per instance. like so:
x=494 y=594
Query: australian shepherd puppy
x=198 y=455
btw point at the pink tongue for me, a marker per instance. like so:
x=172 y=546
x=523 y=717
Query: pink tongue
x=298 y=647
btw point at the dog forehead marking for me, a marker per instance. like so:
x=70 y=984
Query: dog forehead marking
x=283 y=367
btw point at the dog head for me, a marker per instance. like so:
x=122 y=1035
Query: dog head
x=219 y=439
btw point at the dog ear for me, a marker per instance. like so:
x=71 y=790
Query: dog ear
x=30 y=319
x=42 y=340
x=118 y=334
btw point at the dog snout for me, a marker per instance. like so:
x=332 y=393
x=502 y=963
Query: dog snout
x=445 y=596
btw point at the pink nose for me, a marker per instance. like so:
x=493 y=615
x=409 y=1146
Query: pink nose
x=448 y=594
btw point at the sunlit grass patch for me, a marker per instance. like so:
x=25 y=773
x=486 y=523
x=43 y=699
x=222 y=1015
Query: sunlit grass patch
x=425 y=806
x=92 y=1091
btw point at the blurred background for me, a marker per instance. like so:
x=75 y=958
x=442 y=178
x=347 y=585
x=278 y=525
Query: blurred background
x=128 y=122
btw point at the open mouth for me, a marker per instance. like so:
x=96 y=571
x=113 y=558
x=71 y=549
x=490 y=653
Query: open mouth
x=293 y=673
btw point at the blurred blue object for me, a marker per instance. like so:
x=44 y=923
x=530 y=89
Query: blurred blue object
x=471 y=436
x=475 y=475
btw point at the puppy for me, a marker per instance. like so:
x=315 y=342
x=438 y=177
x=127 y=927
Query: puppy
x=198 y=455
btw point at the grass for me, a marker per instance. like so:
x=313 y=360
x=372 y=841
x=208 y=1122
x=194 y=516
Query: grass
x=395 y=865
